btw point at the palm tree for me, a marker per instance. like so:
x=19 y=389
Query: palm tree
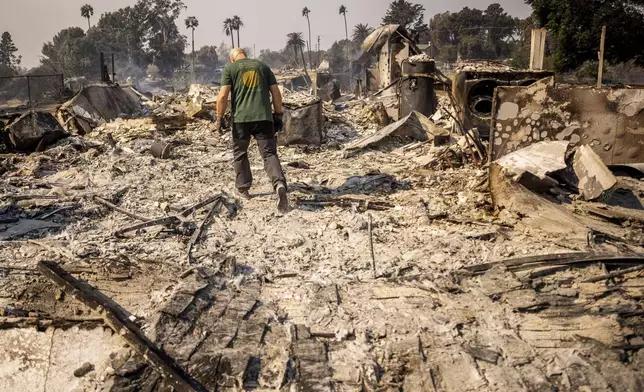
x=237 y=24
x=343 y=11
x=87 y=11
x=360 y=33
x=305 y=13
x=296 y=42
x=192 y=23
x=228 y=29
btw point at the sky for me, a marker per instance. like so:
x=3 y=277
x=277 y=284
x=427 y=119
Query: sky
x=34 y=22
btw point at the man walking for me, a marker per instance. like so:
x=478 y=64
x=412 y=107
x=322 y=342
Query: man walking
x=252 y=84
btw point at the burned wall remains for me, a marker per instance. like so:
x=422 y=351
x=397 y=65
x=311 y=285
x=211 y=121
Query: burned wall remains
x=610 y=121
x=391 y=44
x=473 y=90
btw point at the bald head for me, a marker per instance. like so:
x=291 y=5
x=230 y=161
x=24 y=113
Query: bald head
x=237 y=54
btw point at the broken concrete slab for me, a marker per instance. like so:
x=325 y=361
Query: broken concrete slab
x=539 y=160
x=32 y=131
x=34 y=360
x=171 y=122
x=302 y=122
x=536 y=211
x=594 y=177
x=415 y=125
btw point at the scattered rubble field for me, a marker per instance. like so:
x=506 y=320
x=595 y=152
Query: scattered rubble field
x=403 y=265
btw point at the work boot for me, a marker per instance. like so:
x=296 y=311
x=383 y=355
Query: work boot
x=242 y=194
x=282 y=199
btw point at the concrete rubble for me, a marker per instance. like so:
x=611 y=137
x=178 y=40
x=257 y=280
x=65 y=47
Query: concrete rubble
x=538 y=159
x=532 y=165
x=408 y=261
x=594 y=177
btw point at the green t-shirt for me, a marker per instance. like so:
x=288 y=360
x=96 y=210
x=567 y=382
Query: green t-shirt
x=250 y=80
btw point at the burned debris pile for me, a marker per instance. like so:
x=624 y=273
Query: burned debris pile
x=487 y=236
x=32 y=131
x=95 y=105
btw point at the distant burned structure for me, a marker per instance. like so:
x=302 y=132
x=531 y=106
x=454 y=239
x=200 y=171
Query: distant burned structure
x=473 y=89
x=390 y=44
x=402 y=77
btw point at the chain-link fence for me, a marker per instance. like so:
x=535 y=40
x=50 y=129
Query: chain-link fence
x=31 y=90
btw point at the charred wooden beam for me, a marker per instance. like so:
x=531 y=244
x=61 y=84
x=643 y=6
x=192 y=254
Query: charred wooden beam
x=106 y=203
x=615 y=274
x=344 y=202
x=199 y=205
x=197 y=234
x=119 y=320
x=167 y=220
x=557 y=259
x=43 y=323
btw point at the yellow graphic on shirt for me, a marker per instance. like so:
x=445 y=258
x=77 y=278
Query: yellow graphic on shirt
x=250 y=79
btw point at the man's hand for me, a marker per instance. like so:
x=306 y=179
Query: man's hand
x=222 y=102
x=278 y=124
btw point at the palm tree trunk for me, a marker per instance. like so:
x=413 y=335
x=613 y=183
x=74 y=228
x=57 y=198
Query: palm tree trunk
x=346 y=30
x=304 y=62
x=310 y=43
x=232 y=38
x=238 y=41
x=89 y=26
x=295 y=50
x=193 y=54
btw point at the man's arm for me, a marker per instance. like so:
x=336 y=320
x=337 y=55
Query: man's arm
x=222 y=101
x=277 y=108
x=275 y=92
x=222 y=98
x=277 y=99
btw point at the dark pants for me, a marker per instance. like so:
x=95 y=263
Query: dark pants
x=263 y=133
